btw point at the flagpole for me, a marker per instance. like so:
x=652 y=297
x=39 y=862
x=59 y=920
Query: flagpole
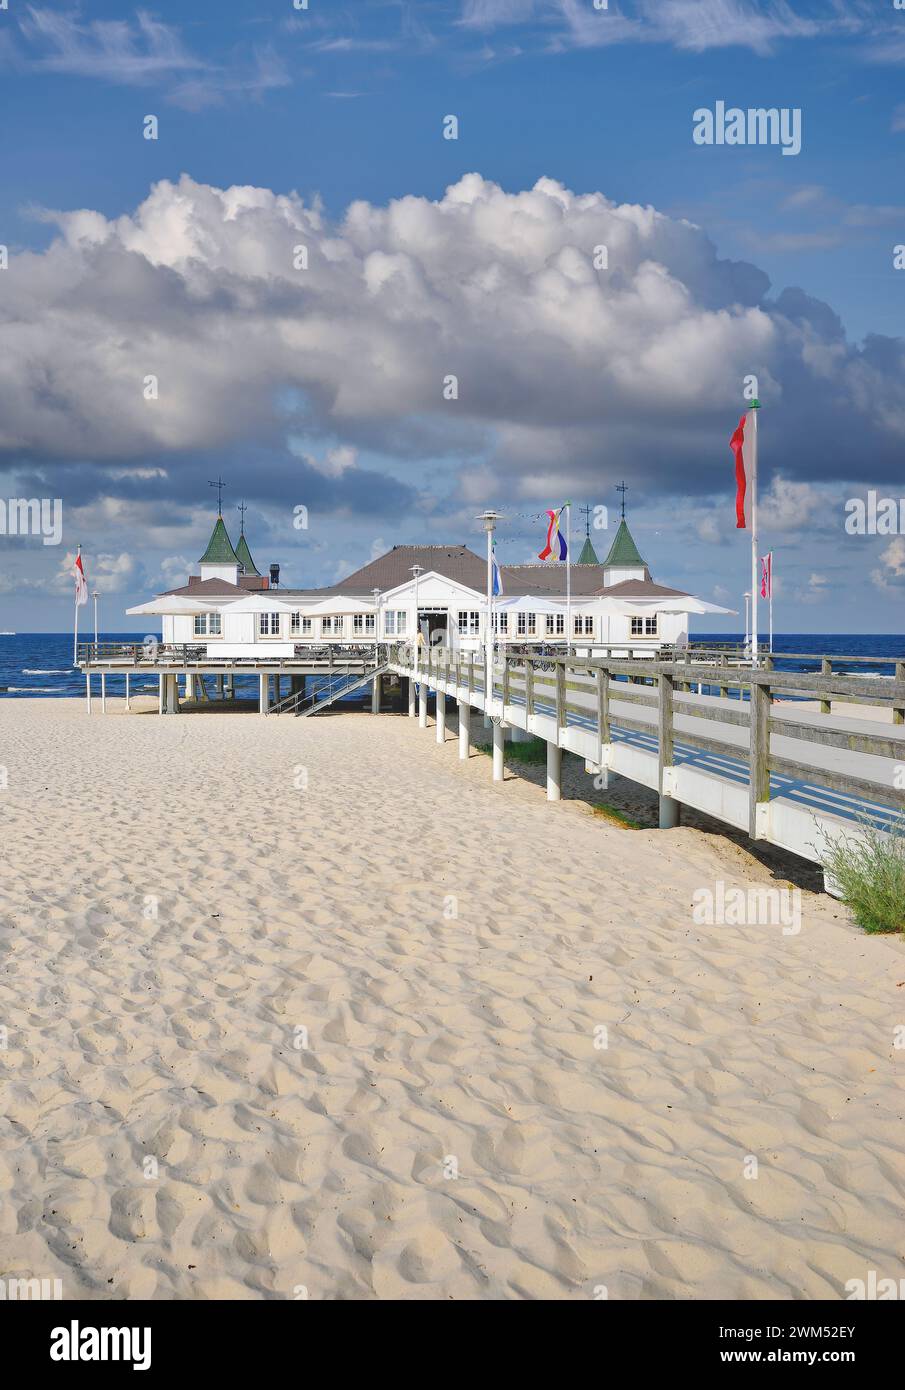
x=568 y=579
x=75 y=637
x=754 y=407
x=771 y=602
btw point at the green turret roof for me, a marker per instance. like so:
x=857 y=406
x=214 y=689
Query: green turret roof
x=244 y=556
x=219 y=547
x=588 y=554
x=623 y=551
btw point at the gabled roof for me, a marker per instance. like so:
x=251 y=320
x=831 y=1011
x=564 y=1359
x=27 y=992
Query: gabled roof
x=395 y=567
x=588 y=554
x=243 y=555
x=207 y=588
x=639 y=588
x=219 y=547
x=623 y=551
x=549 y=578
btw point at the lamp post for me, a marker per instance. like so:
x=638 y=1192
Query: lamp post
x=488 y=520
x=95 y=596
x=747 y=623
x=416 y=571
x=376 y=592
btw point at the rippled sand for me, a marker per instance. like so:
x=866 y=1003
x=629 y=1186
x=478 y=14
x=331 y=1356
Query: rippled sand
x=310 y=1007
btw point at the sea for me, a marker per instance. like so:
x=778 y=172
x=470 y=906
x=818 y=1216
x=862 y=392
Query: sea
x=39 y=664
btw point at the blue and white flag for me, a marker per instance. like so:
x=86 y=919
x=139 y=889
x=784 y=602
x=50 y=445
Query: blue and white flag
x=497 y=587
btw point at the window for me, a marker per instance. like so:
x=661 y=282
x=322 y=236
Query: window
x=583 y=626
x=329 y=626
x=469 y=623
x=501 y=623
x=549 y=624
x=389 y=622
x=637 y=628
x=532 y=624
x=269 y=624
x=522 y=623
x=306 y=627
x=560 y=624
x=295 y=624
x=207 y=625
x=400 y=623
x=644 y=627
x=362 y=622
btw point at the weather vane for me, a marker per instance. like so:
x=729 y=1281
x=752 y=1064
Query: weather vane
x=242 y=509
x=620 y=487
x=219 y=485
x=587 y=520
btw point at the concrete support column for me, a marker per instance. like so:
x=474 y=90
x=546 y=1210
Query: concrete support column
x=441 y=717
x=422 y=706
x=276 y=690
x=262 y=698
x=487 y=721
x=499 y=744
x=669 y=813
x=189 y=686
x=376 y=692
x=411 y=686
x=518 y=735
x=220 y=687
x=464 y=731
x=160 y=691
x=554 y=772
x=128 y=700
x=103 y=692
x=88 y=689
x=170 y=704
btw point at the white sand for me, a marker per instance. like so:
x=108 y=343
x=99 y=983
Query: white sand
x=434 y=1040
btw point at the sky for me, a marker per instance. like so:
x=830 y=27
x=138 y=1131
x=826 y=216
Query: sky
x=304 y=286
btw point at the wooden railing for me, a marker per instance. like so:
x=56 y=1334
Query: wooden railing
x=550 y=681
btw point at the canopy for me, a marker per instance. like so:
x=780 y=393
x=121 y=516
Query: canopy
x=682 y=604
x=526 y=604
x=339 y=604
x=170 y=604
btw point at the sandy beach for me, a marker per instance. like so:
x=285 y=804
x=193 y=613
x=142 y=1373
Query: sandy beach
x=310 y=1008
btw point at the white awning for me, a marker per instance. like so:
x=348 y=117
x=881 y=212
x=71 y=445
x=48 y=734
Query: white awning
x=170 y=605
x=263 y=602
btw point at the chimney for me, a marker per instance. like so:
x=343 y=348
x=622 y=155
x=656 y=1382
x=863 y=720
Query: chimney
x=274 y=576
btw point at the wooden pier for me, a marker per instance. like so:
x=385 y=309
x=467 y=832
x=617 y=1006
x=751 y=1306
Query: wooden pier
x=784 y=774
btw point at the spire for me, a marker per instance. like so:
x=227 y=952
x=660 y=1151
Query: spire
x=219 y=547
x=623 y=551
x=588 y=554
x=243 y=555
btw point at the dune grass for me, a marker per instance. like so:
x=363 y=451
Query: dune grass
x=870 y=875
x=612 y=813
x=535 y=751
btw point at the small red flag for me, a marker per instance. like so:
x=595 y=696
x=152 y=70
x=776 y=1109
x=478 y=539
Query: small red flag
x=737 y=445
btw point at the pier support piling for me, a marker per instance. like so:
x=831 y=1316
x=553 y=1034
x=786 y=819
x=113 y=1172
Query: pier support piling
x=464 y=731
x=128 y=699
x=376 y=684
x=411 y=686
x=499 y=745
x=262 y=696
x=159 y=694
x=103 y=692
x=422 y=706
x=669 y=812
x=554 y=772
x=88 y=689
x=441 y=717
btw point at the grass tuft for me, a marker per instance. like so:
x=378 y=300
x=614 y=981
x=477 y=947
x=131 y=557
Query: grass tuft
x=870 y=875
x=612 y=813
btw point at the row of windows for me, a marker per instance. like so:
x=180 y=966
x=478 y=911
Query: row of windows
x=469 y=624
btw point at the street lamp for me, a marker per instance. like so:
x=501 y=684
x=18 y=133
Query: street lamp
x=416 y=571
x=488 y=520
x=376 y=592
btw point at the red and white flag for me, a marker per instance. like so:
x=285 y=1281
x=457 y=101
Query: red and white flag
x=766 y=575
x=737 y=445
x=81 y=583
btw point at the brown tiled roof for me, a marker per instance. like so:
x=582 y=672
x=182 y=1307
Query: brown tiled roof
x=206 y=588
x=639 y=588
x=550 y=579
x=455 y=562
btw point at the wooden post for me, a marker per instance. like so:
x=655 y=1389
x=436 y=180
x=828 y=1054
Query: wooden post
x=529 y=687
x=103 y=692
x=160 y=695
x=603 y=705
x=554 y=772
x=758 y=754
x=504 y=685
x=898 y=711
x=464 y=731
x=724 y=689
x=128 y=701
x=560 y=694
x=669 y=807
x=826 y=669
x=88 y=689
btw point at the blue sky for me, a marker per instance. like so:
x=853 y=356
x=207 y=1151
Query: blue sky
x=344 y=104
